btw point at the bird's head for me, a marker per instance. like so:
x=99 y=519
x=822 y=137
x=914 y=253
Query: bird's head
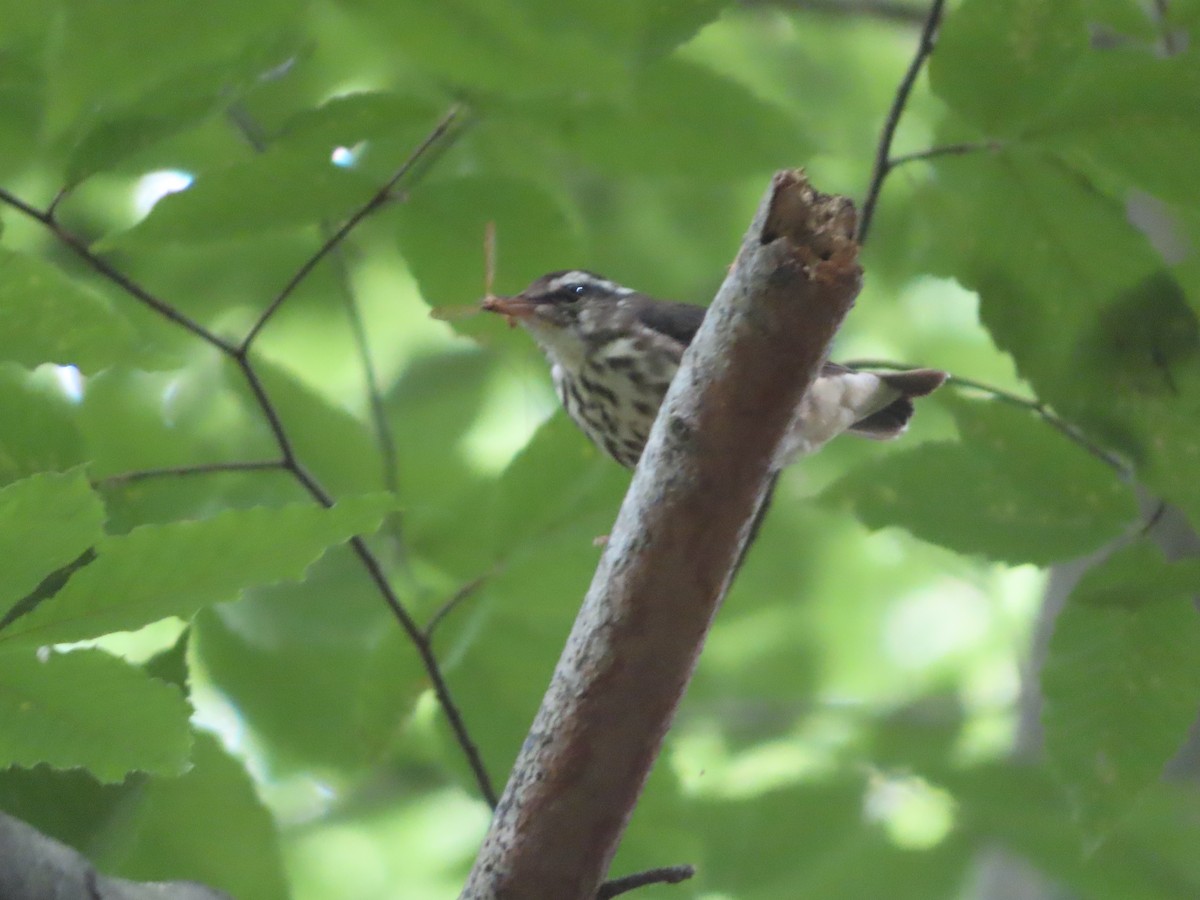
x=565 y=311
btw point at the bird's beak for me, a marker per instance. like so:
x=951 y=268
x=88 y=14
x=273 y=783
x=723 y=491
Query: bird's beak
x=515 y=308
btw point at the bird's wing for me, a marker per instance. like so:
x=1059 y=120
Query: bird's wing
x=680 y=321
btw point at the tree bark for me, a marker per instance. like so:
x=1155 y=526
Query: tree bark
x=670 y=558
x=36 y=867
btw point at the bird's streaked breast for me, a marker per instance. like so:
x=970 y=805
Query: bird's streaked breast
x=615 y=394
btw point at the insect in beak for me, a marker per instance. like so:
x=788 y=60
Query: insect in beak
x=455 y=313
x=512 y=308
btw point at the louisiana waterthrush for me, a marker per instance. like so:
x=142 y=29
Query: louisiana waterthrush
x=614 y=351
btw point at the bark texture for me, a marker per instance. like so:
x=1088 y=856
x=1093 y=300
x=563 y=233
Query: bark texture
x=36 y=867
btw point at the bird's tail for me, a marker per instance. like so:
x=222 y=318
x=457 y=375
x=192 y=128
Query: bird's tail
x=891 y=419
x=875 y=405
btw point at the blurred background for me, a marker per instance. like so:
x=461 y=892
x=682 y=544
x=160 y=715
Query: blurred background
x=863 y=723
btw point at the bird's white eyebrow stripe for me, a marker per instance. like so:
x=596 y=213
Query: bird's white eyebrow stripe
x=570 y=277
x=578 y=276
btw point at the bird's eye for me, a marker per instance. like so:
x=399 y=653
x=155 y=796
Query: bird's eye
x=573 y=292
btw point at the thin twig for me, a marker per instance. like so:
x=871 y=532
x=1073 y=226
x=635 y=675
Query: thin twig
x=883 y=161
x=375 y=571
x=379 y=198
x=252 y=132
x=665 y=875
x=247 y=126
x=463 y=593
x=201 y=469
x=889 y=10
x=123 y=281
x=432 y=668
x=282 y=441
x=1068 y=429
x=944 y=150
x=369 y=560
x=1160 y=509
x=59 y=196
x=375 y=405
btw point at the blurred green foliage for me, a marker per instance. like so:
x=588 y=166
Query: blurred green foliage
x=849 y=731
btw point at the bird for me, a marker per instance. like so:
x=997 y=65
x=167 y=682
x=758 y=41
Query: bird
x=613 y=352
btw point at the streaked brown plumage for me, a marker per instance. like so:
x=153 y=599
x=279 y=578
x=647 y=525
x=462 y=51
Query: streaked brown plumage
x=614 y=351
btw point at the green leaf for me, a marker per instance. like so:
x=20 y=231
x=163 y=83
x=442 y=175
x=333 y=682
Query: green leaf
x=321 y=672
x=825 y=849
x=45 y=522
x=1020 y=808
x=66 y=804
x=24 y=21
x=106 y=56
x=1012 y=489
x=441 y=232
x=558 y=484
x=21 y=108
x=438 y=397
x=492 y=43
x=117 y=133
x=1078 y=252
x=532 y=537
x=278 y=189
x=145 y=420
x=86 y=708
x=1000 y=62
x=337 y=447
x=558 y=481
x=534 y=47
x=157 y=571
x=1129 y=115
x=1103 y=333
x=47 y=317
x=365 y=115
x=1122 y=679
x=40 y=432
x=506 y=639
x=668 y=127
x=208 y=825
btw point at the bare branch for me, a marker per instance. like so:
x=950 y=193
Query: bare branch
x=462 y=594
x=289 y=462
x=255 y=136
x=433 y=669
x=183 y=471
x=377 y=200
x=123 y=281
x=60 y=195
x=33 y=864
x=945 y=150
x=375 y=570
x=670 y=557
x=665 y=875
x=883 y=161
